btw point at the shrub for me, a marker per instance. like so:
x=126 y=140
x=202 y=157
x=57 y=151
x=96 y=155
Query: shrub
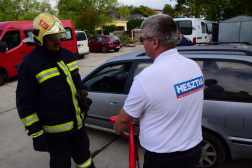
x=109 y=29
x=124 y=39
x=98 y=31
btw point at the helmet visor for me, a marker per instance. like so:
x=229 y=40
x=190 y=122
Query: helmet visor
x=61 y=36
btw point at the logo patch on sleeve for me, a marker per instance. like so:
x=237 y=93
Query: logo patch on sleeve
x=189 y=87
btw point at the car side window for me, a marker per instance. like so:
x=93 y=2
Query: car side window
x=12 y=38
x=98 y=38
x=140 y=66
x=227 y=80
x=69 y=34
x=91 y=39
x=203 y=27
x=28 y=33
x=111 y=78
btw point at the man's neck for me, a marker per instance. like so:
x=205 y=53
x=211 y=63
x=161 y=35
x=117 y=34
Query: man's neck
x=160 y=51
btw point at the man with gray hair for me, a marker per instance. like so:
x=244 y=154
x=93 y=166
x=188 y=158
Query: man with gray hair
x=167 y=96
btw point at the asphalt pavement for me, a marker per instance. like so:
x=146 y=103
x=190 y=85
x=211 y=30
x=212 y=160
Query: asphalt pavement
x=108 y=150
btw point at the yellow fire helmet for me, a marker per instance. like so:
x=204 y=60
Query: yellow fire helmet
x=48 y=26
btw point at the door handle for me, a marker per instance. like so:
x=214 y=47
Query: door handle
x=79 y=44
x=114 y=103
x=21 y=52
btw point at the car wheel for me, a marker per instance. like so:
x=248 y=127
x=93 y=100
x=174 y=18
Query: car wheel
x=81 y=56
x=1 y=78
x=116 y=50
x=213 y=151
x=104 y=49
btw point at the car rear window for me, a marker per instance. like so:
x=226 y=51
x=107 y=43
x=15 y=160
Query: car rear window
x=113 y=38
x=185 y=27
x=80 y=36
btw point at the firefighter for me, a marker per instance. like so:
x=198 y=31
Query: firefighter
x=49 y=97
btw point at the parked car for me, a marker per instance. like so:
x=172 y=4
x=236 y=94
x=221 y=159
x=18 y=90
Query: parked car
x=227 y=110
x=104 y=43
x=82 y=43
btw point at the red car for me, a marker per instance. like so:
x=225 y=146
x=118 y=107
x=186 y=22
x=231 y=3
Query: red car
x=104 y=43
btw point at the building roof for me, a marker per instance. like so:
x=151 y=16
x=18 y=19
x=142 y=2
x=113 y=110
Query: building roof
x=136 y=16
x=115 y=16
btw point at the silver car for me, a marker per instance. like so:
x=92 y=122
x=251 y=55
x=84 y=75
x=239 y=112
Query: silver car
x=227 y=111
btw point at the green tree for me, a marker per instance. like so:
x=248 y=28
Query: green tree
x=87 y=20
x=75 y=8
x=110 y=29
x=8 y=10
x=123 y=11
x=144 y=10
x=168 y=9
x=216 y=10
x=131 y=8
x=11 y=10
x=69 y=10
x=30 y=9
x=133 y=23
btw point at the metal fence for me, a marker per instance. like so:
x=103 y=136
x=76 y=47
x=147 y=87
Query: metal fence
x=235 y=32
x=246 y=32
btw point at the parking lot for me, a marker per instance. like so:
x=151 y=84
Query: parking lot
x=108 y=150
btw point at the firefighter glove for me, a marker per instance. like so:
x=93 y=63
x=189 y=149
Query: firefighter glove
x=81 y=95
x=40 y=144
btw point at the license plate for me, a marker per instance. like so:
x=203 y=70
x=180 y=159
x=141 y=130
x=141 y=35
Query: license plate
x=117 y=46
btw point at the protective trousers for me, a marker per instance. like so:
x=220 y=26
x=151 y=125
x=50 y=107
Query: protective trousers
x=75 y=146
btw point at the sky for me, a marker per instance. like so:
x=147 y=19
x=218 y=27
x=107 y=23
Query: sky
x=156 y=4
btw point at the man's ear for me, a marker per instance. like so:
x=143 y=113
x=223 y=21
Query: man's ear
x=155 y=43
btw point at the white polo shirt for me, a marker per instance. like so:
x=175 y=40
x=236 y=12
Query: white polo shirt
x=167 y=96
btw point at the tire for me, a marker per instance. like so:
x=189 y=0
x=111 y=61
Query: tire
x=104 y=49
x=1 y=78
x=213 y=151
x=81 y=56
x=117 y=49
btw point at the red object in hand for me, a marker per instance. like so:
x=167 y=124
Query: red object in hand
x=112 y=119
x=133 y=151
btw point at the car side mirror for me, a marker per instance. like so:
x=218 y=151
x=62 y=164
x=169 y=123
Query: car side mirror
x=210 y=31
x=3 y=47
x=29 y=41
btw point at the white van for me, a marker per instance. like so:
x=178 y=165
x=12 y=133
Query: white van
x=193 y=28
x=82 y=43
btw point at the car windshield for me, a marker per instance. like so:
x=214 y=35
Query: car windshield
x=113 y=38
x=1 y=32
x=185 y=27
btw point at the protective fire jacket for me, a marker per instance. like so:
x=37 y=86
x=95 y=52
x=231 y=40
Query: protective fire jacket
x=45 y=96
